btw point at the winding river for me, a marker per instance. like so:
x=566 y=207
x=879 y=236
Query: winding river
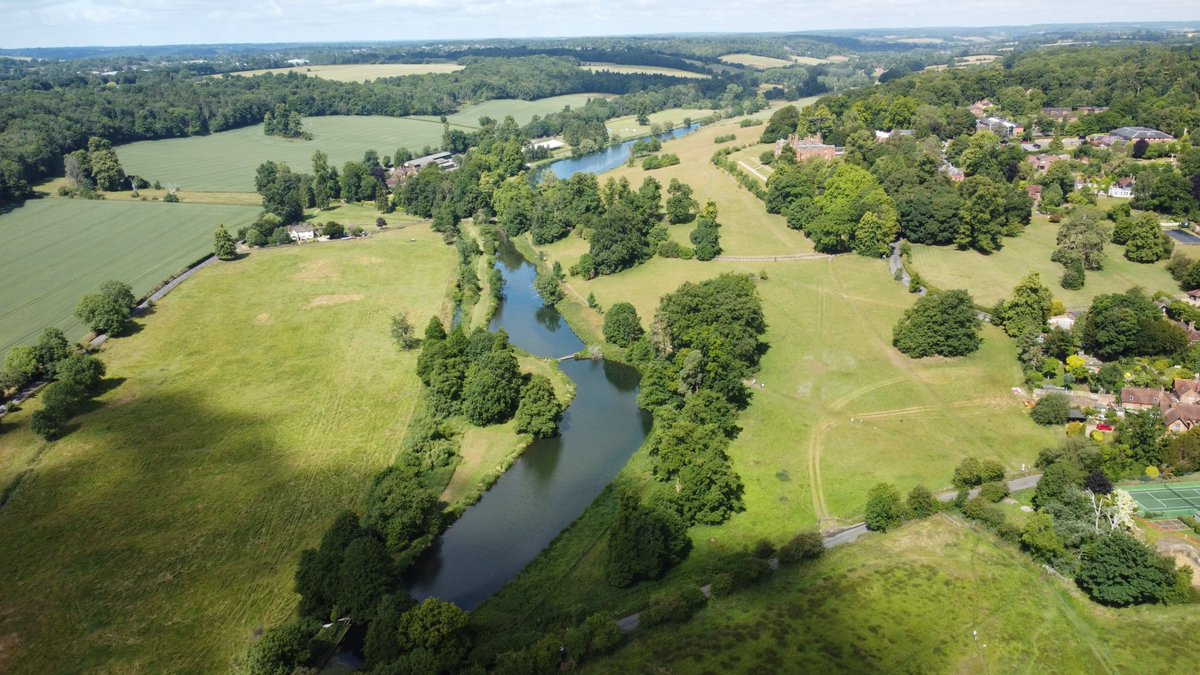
x=555 y=479
x=607 y=159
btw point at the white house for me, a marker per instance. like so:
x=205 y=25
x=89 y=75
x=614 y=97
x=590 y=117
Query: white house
x=1063 y=321
x=301 y=233
x=1122 y=189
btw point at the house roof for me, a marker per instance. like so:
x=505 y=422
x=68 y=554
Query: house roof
x=1189 y=414
x=1194 y=294
x=1142 y=396
x=1141 y=133
x=1183 y=386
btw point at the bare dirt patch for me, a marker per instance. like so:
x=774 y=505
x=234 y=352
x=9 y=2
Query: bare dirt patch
x=326 y=300
x=8 y=651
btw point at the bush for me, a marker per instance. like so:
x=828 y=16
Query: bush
x=968 y=473
x=725 y=138
x=604 y=633
x=673 y=249
x=764 y=549
x=804 y=546
x=747 y=570
x=994 y=492
x=921 y=502
x=1051 y=410
x=672 y=606
x=883 y=508
x=721 y=585
x=49 y=422
x=1119 y=570
x=987 y=513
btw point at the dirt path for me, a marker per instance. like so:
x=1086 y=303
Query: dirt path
x=752 y=170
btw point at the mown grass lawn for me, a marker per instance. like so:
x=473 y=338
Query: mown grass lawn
x=58 y=250
x=256 y=402
x=912 y=600
x=991 y=277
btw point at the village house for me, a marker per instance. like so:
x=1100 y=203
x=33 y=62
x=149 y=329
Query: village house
x=1141 y=398
x=1072 y=114
x=1122 y=189
x=883 y=136
x=301 y=233
x=953 y=172
x=1001 y=127
x=1063 y=321
x=1192 y=298
x=1133 y=134
x=1042 y=162
x=809 y=147
x=1180 y=407
x=978 y=108
x=1035 y=193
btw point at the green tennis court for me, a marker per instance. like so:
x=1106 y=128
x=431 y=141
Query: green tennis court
x=1168 y=499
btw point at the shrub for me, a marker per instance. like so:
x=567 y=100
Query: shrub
x=804 y=546
x=993 y=492
x=747 y=570
x=883 y=507
x=604 y=633
x=921 y=502
x=968 y=473
x=49 y=422
x=1051 y=410
x=670 y=607
x=987 y=513
x=764 y=549
x=721 y=585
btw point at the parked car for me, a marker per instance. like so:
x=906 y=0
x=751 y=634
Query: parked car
x=1104 y=427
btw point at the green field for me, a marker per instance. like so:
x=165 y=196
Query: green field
x=628 y=127
x=912 y=601
x=991 y=277
x=258 y=400
x=357 y=72
x=755 y=61
x=648 y=70
x=226 y=161
x=58 y=250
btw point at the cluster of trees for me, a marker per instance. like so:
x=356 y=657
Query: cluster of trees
x=24 y=364
x=284 y=122
x=1143 y=237
x=703 y=343
x=1127 y=324
x=107 y=311
x=940 y=323
x=77 y=379
x=660 y=161
x=96 y=167
x=706 y=236
x=839 y=205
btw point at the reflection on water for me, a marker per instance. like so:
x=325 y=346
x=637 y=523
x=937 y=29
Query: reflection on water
x=607 y=159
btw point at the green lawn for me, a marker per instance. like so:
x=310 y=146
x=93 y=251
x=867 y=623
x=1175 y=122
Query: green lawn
x=226 y=161
x=257 y=400
x=628 y=127
x=991 y=277
x=912 y=601
x=58 y=250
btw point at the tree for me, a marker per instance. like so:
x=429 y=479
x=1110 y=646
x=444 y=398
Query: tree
x=281 y=649
x=983 y=216
x=968 y=473
x=492 y=389
x=223 y=245
x=884 y=509
x=366 y=573
x=49 y=422
x=1041 y=539
x=921 y=502
x=940 y=323
x=1073 y=277
x=108 y=310
x=399 y=508
x=402 y=332
x=1120 y=325
x=82 y=372
x=50 y=349
x=808 y=545
x=1183 y=452
x=875 y=233
x=1029 y=308
x=1057 y=480
x=549 y=285
x=621 y=325
x=645 y=541
x=1146 y=241
x=20 y=367
x=1082 y=235
x=1051 y=409
x=105 y=167
x=782 y=123
x=1118 y=570
x=539 y=412
x=1139 y=148
x=438 y=628
x=681 y=206
x=333 y=230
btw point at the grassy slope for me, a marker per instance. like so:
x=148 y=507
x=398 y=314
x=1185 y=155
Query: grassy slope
x=908 y=601
x=58 y=250
x=226 y=161
x=357 y=72
x=799 y=452
x=755 y=61
x=257 y=401
x=992 y=277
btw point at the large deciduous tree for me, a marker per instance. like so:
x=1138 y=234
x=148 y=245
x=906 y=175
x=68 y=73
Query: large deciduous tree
x=940 y=323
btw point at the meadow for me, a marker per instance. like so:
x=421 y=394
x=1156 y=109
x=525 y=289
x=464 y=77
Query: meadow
x=226 y=161
x=991 y=277
x=58 y=250
x=257 y=401
x=648 y=70
x=913 y=600
x=755 y=61
x=628 y=127
x=357 y=72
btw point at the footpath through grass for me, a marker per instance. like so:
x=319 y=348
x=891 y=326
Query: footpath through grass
x=257 y=401
x=58 y=250
x=912 y=601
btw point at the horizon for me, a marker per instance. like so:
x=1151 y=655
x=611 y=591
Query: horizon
x=54 y=25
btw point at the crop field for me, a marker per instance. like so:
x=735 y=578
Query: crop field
x=257 y=401
x=357 y=72
x=814 y=61
x=226 y=161
x=58 y=250
x=991 y=277
x=755 y=61
x=648 y=70
x=913 y=600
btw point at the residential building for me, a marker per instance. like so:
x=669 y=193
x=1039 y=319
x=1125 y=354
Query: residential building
x=953 y=172
x=882 y=136
x=1141 y=398
x=1043 y=162
x=1001 y=127
x=978 y=108
x=1035 y=193
x=1180 y=418
x=1193 y=298
x=1132 y=134
x=1122 y=189
x=809 y=147
x=301 y=233
x=1072 y=114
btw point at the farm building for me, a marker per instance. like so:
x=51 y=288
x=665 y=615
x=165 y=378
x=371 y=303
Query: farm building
x=444 y=160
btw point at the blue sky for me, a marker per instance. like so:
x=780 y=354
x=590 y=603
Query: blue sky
x=53 y=23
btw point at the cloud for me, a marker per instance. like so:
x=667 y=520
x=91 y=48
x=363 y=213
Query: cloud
x=31 y=23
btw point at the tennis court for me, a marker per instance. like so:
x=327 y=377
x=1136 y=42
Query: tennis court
x=1167 y=499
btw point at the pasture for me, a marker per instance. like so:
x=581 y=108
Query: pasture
x=991 y=277
x=58 y=250
x=913 y=600
x=647 y=70
x=756 y=62
x=357 y=72
x=256 y=402
x=226 y=161
x=628 y=127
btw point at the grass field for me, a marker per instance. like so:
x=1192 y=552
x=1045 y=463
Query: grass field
x=628 y=127
x=755 y=61
x=357 y=72
x=58 y=250
x=911 y=601
x=226 y=161
x=813 y=61
x=257 y=401
x=648 y=70
x=992 y=277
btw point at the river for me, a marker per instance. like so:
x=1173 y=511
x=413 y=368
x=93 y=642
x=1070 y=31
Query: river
x=555 y=479
x=607 y=159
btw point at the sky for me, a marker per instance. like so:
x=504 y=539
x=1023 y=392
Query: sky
x=63 y=23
